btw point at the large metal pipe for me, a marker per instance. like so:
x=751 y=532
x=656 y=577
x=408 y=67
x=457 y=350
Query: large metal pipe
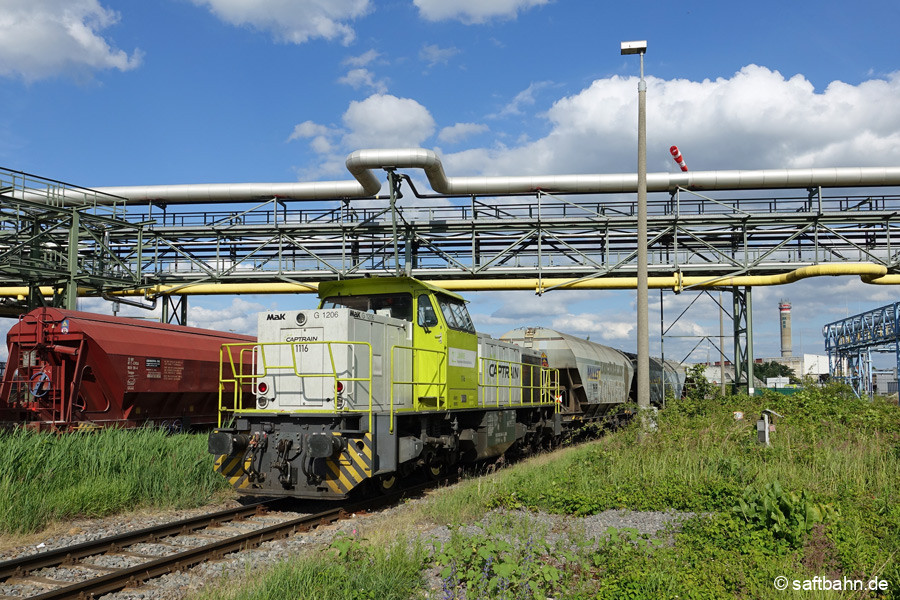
x=868 y=272
x=367 y=184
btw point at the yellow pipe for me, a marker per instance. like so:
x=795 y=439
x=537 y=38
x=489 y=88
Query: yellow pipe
x=883 y=280
x=868 y=272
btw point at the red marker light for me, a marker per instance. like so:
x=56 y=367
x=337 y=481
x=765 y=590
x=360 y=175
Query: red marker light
x=263 y=387
x=339 y=387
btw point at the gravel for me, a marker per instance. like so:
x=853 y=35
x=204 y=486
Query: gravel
x=175 y=586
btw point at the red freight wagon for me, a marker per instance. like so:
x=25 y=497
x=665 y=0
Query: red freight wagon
x=68 y=369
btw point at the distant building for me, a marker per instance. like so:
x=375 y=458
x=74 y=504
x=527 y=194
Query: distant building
x=884 y=383
x=713 y=373
x=806 y=365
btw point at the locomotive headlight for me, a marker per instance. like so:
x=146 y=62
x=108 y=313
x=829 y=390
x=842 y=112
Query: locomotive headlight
x=262 y=402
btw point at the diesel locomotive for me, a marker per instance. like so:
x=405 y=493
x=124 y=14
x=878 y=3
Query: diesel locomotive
x=388 y=376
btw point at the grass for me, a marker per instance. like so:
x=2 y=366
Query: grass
x=347 y=571
x=823 y=501
x=46 y=477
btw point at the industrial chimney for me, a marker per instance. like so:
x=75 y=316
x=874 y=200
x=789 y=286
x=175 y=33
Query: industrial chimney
x=784 y=308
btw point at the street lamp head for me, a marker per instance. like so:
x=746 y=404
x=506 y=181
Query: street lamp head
x=638 y=47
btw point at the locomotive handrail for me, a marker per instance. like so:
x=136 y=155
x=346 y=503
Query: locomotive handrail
x=259 y=359
x=441 y=383
x=545 y=386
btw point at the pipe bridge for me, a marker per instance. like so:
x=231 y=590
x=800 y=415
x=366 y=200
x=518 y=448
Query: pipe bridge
x=706 y=230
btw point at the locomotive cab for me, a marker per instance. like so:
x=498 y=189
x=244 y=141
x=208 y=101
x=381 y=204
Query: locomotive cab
x=387 y=376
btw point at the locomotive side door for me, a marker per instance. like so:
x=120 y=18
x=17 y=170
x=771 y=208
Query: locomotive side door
x=461 y=344
x=430 y=356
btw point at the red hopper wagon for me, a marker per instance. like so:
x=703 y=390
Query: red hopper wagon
x=69 y=369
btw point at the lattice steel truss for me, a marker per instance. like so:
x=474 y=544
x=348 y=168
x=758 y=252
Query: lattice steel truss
x=543 y=236
x=437 y=237
x=76 y=241
x=58 y=236
x=850 y=343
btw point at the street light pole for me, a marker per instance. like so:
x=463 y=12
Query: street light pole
x=643 y=323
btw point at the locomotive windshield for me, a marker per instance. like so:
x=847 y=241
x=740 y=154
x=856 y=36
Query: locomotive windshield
x=398 y=306
x=455 y=313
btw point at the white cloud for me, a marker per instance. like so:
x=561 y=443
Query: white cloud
x=589 y=324
x=239 y=317
x=292 y=21
x=433 y=54
x=363 y=60
x=755 y=119
x=321 y=137
x=473 y=11
x=44 y=38
x=308 y=129
x=460 y=131
x=379 y=121
x=522 y=99
x=386 y=121
x=363 y=78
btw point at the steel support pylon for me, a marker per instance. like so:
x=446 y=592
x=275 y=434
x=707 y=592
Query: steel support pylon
x=743 y=340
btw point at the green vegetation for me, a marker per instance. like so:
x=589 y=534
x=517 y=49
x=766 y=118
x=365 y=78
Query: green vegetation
x=47 y=477
x=823 y=501
x=773 y=369
x=348 y=571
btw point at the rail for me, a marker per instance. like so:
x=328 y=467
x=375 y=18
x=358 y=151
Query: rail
x=113 y=580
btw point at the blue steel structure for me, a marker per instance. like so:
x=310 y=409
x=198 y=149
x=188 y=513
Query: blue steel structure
x=851 y=341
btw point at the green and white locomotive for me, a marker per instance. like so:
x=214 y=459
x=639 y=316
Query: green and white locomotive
x=387 y=376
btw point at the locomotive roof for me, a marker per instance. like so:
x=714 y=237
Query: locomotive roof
x=379 y=285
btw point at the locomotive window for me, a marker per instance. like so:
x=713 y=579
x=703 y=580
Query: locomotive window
x=398 y=306
x=456 y=314
x=427 y=318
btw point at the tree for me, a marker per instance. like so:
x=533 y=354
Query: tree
x=697 y=384
x=774 y=369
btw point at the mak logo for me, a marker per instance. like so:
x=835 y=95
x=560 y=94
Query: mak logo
x=275 y=317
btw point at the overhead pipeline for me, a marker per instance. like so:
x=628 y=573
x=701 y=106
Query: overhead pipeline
x=868 y=272
x=366 y=184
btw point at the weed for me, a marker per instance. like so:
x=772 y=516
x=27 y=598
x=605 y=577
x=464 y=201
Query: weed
x=789 y=516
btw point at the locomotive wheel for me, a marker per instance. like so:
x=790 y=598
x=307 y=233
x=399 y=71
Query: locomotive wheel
x=435 y=469
x=386 y=484
x=435 y=466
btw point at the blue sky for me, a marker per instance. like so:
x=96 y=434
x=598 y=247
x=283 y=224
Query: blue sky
x=105 y=92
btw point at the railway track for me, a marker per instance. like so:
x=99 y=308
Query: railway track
x=28 y=572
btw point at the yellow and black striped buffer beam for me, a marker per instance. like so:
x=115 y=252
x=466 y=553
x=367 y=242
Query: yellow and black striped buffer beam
x=352 y=466
x=235 y=468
